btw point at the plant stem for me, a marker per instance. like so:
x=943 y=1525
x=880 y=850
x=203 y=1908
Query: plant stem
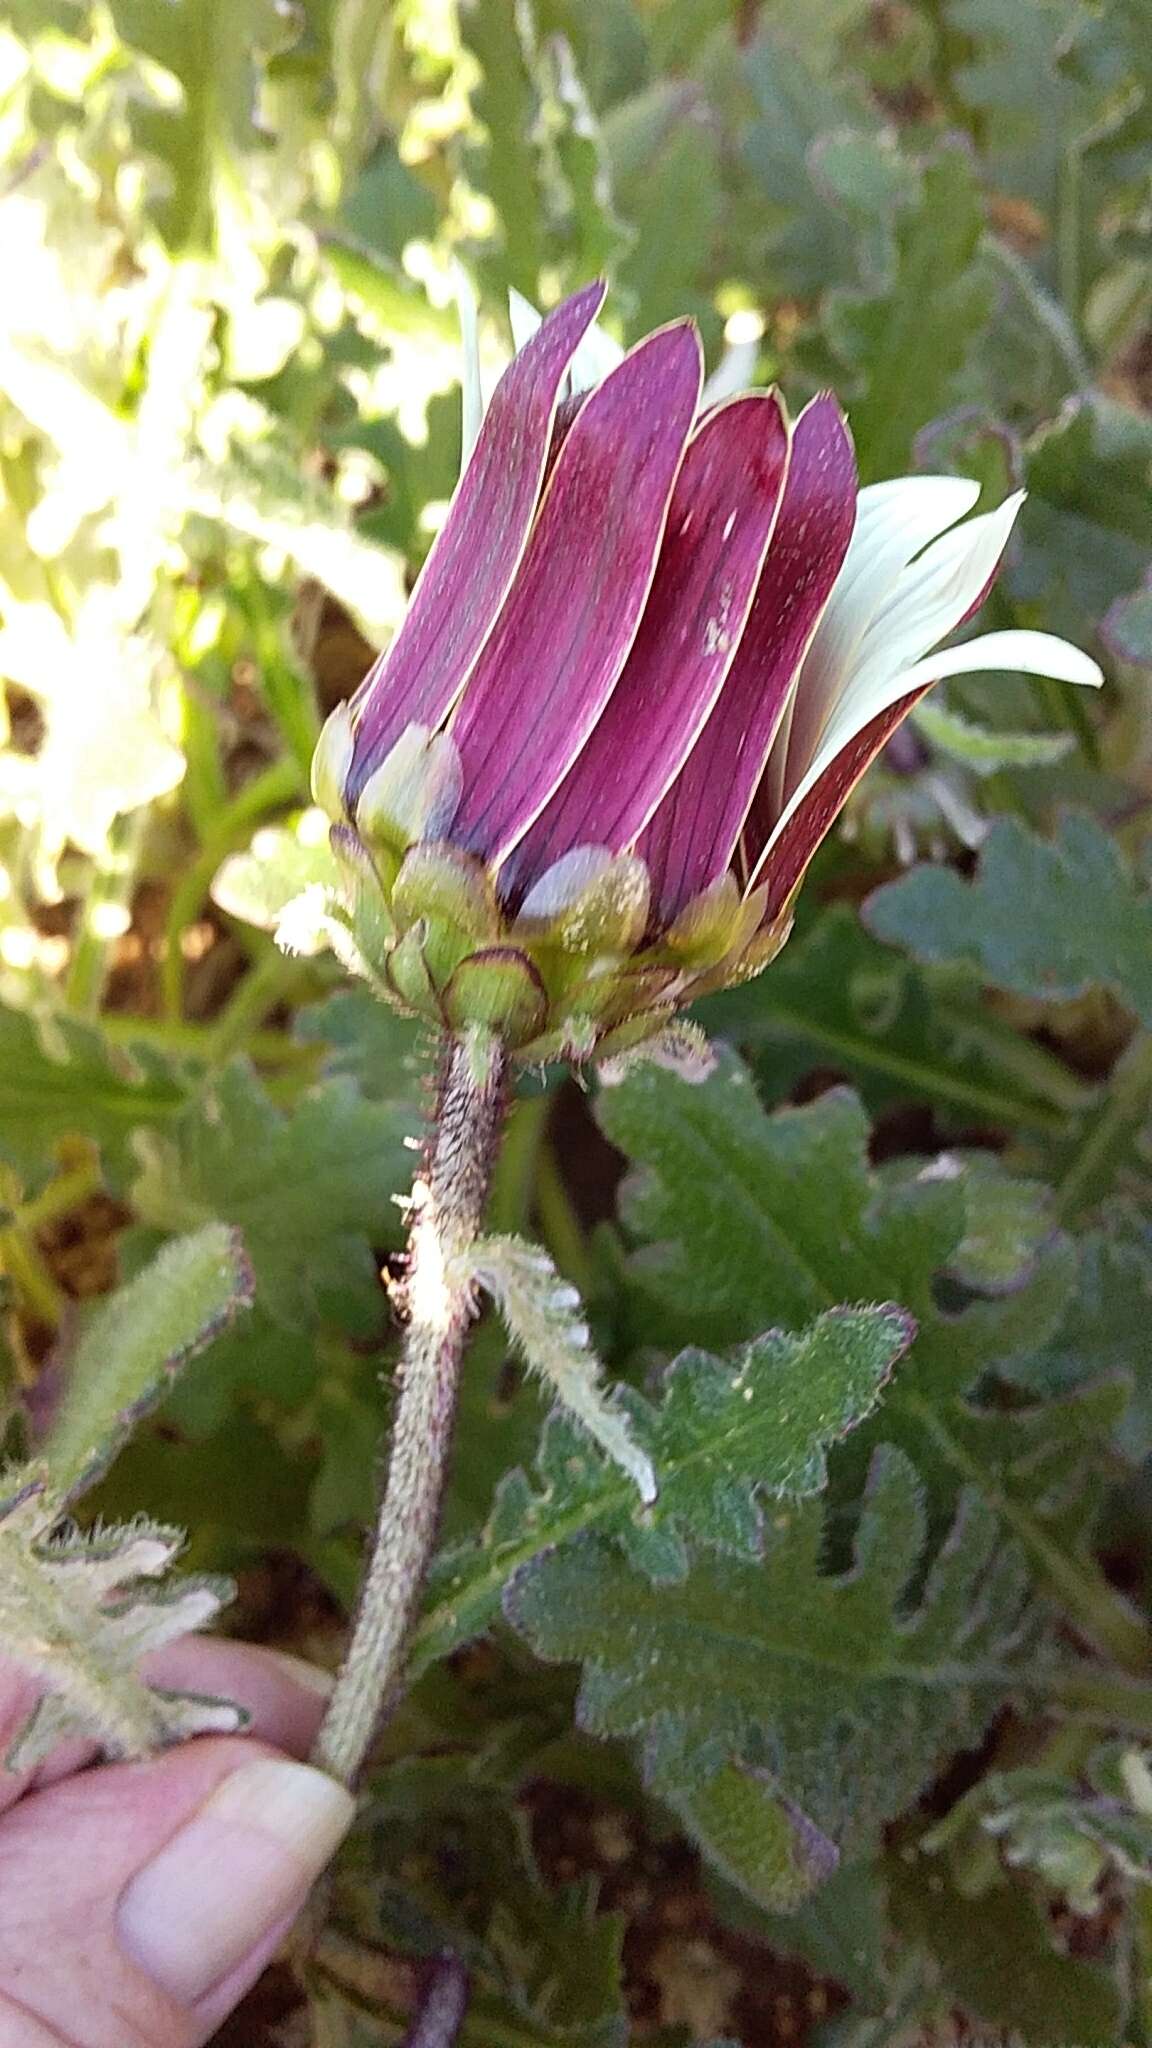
x=66 y=1192
x=514 y=1180
x=560 y=1226
x=1092 y=1169
x=104 y=914
x=271 y=790
x=447 y=1208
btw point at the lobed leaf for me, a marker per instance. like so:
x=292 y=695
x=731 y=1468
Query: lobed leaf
x=1044 y=919
x=838 y=1694
x=59 y=1077
x=78 y=1612
x=728 y=1436
x=307 y=1189
x=835 y=999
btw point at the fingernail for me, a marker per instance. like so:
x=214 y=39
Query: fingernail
x=246 y=1858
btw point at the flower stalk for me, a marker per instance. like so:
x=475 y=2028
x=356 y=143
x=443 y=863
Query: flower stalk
x=439 y=1298
x=654 y=647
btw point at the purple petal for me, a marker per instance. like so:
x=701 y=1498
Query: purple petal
x=721 y=517
x=475 y=555
x=782 y=864
x=550 y=665
x=693 y=834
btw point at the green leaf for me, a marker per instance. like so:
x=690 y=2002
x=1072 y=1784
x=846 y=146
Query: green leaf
x=543 y=1316
x=742 y=1220
x=1087 y=527
x=906 y=343
x=1127 y=628
x=1027 y=110
x=1070 y=1833
x=665 y=169
x=498 y=33
x=1009 y=1222
x=78 y=1612
x=309 y=1189
x=366 y=1040
x=1104 y=1333
x=754 y=1838
x=207 y=46
x=240 y=1491
x=585 y=235
x=545 y=1961
x=982 y=748
x=797 y=104
x=836 y=999
x=136 y=1342
x=257 y=490
x=60 y=1078
x=726 y=1437
x=1047 y=920
x=995 y=1960
x=839 y=1697
x=840 y=1932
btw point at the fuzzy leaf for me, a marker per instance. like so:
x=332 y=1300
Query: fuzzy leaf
x=306 y=1189
x=136 y=1342
x=727 y=1437
x=664 y=174
x=498 y=35
x=258 y=491
x=543 y=1318
x=796 y=107
x=1042 y=919
x=843 y=1700
x=744 y=1220
x=59 y=1078
x=78 y=1611
x=366 y=1040
x=1104 y=1334
x=1068 y=1833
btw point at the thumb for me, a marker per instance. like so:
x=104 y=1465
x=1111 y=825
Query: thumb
x=159 y=1891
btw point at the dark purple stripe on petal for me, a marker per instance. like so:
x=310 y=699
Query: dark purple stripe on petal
x=721 y=517
x=550 y=665
x=473 y=560
x=782 y=867
x=691 y=838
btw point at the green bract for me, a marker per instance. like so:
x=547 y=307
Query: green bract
x=567 y=976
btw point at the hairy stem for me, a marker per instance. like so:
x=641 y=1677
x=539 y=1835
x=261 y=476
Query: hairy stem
x=447 y=1210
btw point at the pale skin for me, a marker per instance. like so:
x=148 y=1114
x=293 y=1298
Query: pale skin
x=75 y=1834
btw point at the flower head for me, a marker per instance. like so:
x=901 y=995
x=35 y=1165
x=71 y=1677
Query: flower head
x=651 y=652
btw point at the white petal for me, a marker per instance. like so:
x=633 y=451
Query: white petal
x=924 y=505
x=930 y=599
x=894 y=520
x=733 y=373
x=524 y=318
x=471 y=387
x=1028 y=654
x=596 y=356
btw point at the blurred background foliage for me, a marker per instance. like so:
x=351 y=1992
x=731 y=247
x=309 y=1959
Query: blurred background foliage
x=229 y=425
